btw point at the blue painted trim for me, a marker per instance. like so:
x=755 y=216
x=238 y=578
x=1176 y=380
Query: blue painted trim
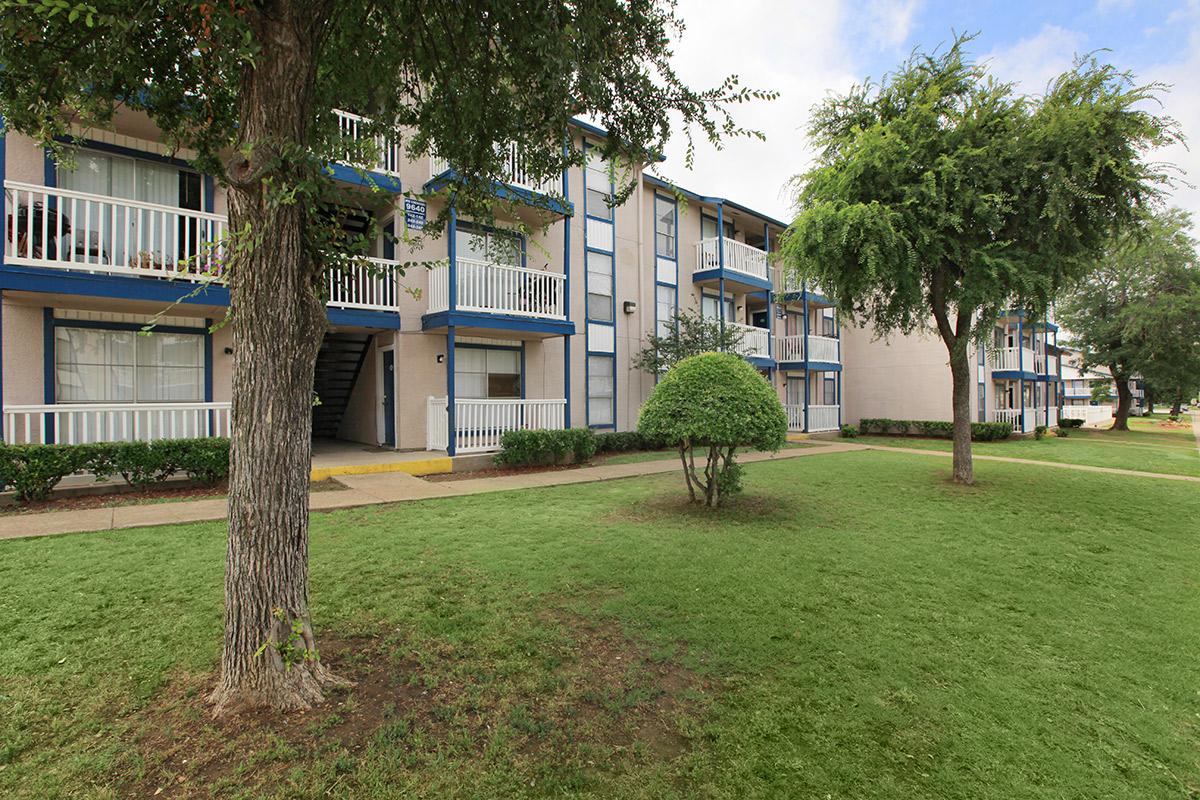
x=48 y=377
x=66 y=281
x=49 y=170
x=751 y=283
x=499 y=322
x=612 y=261
x=823 y=366
x=208 y=361
x=374 y=180
x=449 y=179
x=1021 y=366
x=451 y=443
x=839 y=399
x=567 y=287
x=761 y=362
x=720 y=265
x=363 y=318
x=452 y=252
x=522 y=349
x=659 y=182
x=1 y=303
x=95 y=324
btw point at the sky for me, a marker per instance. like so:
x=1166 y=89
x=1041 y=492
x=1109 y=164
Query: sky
x=807 y=49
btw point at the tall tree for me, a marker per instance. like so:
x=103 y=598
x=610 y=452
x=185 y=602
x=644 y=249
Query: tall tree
x=689 y=334
x=250 y=86
x=1138 y=312
x=944 y=193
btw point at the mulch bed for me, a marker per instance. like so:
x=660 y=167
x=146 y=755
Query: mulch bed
x=137 y=497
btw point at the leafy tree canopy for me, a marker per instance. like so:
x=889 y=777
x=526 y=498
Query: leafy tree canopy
x=690 y=334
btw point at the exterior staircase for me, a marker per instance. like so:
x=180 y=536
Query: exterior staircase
x=339 y=362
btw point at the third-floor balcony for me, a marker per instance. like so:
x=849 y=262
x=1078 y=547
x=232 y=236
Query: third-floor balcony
x=745 y=266
x=514 y=174
x=495 y=296
x=386 y=152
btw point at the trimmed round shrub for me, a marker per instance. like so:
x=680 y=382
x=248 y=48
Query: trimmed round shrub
x=716 y=402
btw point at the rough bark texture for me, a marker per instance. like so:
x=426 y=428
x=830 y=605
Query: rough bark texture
x=956 y=338
x=1177 y=405
x=1124 y=402
x=278 y=322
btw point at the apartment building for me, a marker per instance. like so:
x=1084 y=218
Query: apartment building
x=503 y=330
x=1017 y=376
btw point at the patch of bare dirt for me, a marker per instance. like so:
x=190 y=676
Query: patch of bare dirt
x=675 y=504
x=122 y=496
x=602 y=693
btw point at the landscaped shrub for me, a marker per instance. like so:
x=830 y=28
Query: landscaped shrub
x=1061 y=433
x=624 y=441
x=849 y=431
x=1039 y=432
x=939 y=429
x=33 y=470
x=716 y=402
x=529 y=448
x=1070 y=422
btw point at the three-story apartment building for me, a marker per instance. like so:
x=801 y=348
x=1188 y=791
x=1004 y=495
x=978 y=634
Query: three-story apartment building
x=528 y=322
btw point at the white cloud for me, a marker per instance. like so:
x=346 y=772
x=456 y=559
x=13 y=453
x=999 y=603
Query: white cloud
x=890 y=21
x=1032 y=62
x=811 y=60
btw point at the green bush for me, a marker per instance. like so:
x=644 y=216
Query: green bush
x=536 y=448
x=849 y=432
x=1039 y=432
x=1070 y=422
x=717 y=402
x=1061 y=433
x=939 y=429
x=624 y=441
x=33 y=470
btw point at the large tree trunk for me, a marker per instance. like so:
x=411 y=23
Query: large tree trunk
x=269 y=657
x=1177 y=405
x=1124 y=403
x=960 y=404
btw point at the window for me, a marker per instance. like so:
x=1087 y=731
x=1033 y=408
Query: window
x=665 y=299
x=830 y=392
x=493 y=247
x=664 y=227
x=599 y=287
x=481 y=373
x=600 y=390
x=708 y=227
x=828 y=327
x=795 y=390
x=982 y=404
x=115 y=234
x=94 y=365
x=710 y=307
x=598 y=178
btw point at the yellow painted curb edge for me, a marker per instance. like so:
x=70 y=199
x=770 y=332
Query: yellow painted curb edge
x=422 y=466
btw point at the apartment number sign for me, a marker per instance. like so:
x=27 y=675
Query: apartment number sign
x=414 y=214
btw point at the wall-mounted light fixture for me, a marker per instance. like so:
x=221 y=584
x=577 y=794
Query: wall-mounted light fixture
x=441 y=358
x=228 y=351
x=630 y=306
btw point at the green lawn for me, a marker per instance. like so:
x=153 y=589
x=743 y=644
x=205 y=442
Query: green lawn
x=1148 y=446
x=853 y=627
x=639 y=456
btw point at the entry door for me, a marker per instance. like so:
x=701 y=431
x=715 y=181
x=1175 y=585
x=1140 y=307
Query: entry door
x=389 y=397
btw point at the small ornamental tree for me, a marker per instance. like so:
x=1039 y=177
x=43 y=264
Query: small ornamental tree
x=943 y=193
x=691 y=334
x=716 y=402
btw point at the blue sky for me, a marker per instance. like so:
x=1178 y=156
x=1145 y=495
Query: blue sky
x=807 y=49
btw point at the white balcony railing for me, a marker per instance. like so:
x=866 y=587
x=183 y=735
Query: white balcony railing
x=388 y=152
x=368 y=286
x=739 y=257
x=1013 y=417
x=756 y=342
x=515 y=172
x=64 y=229
x=479 y=424
x=795 y=417
x=823 y=418
x=789 y=348
x=821 y=348
x=1012 y=359
x=489 y=288
x=83 y=423
x=51 y=227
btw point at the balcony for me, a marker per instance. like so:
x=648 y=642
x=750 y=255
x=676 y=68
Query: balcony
x=514 y=172
x=1013 y=417
x=389 y=153
x=820 y=418
x=85 y=423
x=479 y=424
x=86 y=234
x=1012 y=359
x=822 y=349
x=497 y=296
x=742 y=263
x=756 y=342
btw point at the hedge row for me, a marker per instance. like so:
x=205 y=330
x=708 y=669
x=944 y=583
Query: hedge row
x=1070 y=422
x=33 y=470
x=624 y=441
x=525 y=448
x=940 y=429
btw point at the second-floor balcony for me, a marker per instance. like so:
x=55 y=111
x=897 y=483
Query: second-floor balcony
x=386 y=150
x=81 y=233
x=823 y=349
x=756 y=342
x=740 y=260
x=1013 y=359
x=483 y=287
x=514 y=173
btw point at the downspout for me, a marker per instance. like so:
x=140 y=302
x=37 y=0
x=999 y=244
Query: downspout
x=804 y=301
x=452 y=295
x=721 y=267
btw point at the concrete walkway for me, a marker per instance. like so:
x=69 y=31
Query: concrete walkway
x=362 y=490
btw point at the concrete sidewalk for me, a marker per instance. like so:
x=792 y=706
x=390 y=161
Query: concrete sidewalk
x=362 y=490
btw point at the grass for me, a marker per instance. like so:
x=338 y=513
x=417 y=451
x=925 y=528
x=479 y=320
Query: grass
x=640 y=456
x=1149 y=446
x=856 y=627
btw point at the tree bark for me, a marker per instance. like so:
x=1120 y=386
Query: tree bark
x=270 y=655
x=1177 y=405
x=960 y=405
x=1124 y=402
